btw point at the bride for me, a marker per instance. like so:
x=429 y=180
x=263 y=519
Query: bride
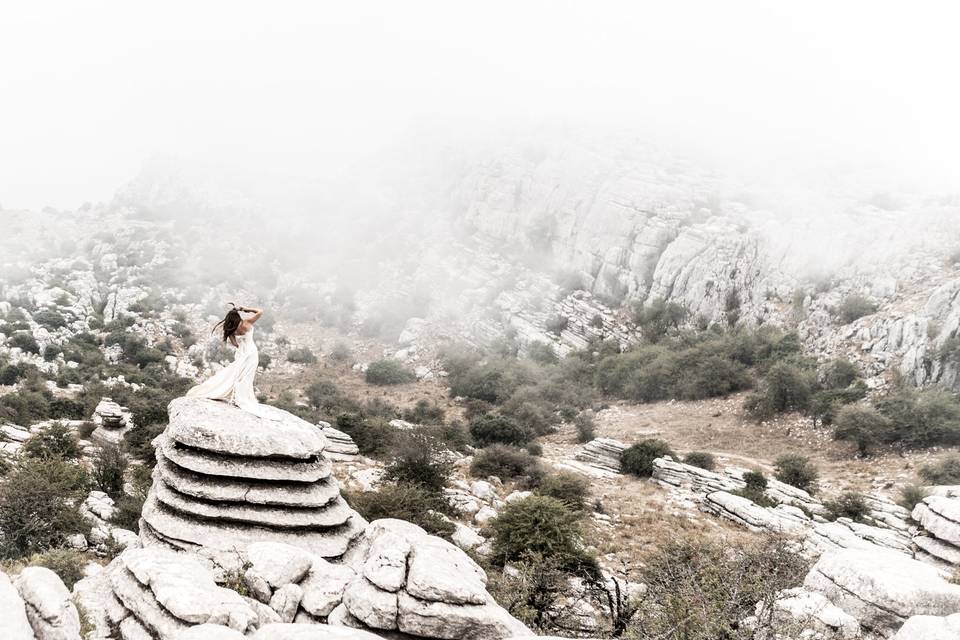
x=234 y=383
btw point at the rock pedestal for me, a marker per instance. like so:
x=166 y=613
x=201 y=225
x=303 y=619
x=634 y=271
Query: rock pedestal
x=112 y=421
x=340 y=446
x=940 y=518
x=225 y=477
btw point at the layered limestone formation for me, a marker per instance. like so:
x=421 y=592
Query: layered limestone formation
x=225 y=477
x=603 y=453
x=340 y=446
x=939 y=515
x=112 y=421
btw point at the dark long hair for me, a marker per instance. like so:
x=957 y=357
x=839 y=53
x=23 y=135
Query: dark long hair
x=230 y=323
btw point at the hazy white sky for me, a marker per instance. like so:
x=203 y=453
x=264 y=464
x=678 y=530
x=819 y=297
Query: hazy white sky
x=90 y=89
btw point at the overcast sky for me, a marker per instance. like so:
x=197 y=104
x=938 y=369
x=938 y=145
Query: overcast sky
x=90 y=89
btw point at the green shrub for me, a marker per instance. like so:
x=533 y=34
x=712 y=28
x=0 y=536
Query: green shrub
x=129 y=506
x=108 y=467
x=412 y=503
x=850 y=504
x=921 y=418
x=51 y=351
x=388 y=371
x=755 y=490
x=24 y=341
x=264 y=361
x=420 y=460
x=542 y=353
x=911 y=495
x=854 y=307
x=786 y=387
x=507 y=463
x=301 y=355
x=55 y=441
x=797 y=471
x=340 y=352
x=534 y=448
x=492 y=382
x=138 y=442
x=557 y=324
x=862 y=425
x=39 y=501
x=944 y=471
x=701 y=588
x=638 y=459
x=840 y=373
x=494 y=428
x=569 y=488
x=540 y=525
x=50 y=319
x=701 y=459
x=68 y=564
x=373 y=436
x=586 y=427
x=424 y=413
x=659 y=318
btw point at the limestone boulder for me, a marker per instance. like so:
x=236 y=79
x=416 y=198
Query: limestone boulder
x=47 y=604
x=930 y=628
x=14 y=624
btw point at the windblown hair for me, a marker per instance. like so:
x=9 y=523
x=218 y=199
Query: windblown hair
x=230 y=324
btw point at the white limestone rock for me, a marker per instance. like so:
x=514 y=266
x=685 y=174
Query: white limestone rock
x=48 y=606
x=456 y=622
x=14 y=624
x=286 y=601
x=323 y=587
x=441 y=572
x=930 y=628
x=279 y=564
x=386 y=564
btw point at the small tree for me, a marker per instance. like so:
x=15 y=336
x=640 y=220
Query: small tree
x=507 y=463
x=55 y=441
x=701 y=459
x=862 y=425
x=421 y=460
x=586 y=427
x=850 y=504
x=494 y=428
x=854 y=307
x=945 y=471
x=388 y=371
x=544 y=526
x=108 y=469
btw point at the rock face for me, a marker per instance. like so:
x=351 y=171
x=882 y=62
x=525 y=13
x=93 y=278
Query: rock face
x=930 y=628
x=940 y=518
x=420 y=585
x=882 y=588
x=14 y=624
x=226 y=477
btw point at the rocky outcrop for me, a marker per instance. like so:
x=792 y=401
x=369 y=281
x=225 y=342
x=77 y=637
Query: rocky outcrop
x=602 y=453
x=882 y=588
x=225 y=477
x=340 y=446
x=420 y=585
x=813 y=612
x=939 y=516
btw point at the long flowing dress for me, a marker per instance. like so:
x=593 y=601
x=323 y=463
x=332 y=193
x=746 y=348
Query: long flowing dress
x=234 y=383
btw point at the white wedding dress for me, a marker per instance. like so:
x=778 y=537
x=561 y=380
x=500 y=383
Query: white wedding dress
x=234 y=383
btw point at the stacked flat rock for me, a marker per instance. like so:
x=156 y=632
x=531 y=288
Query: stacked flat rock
x=939 y=516
x=339 y=444
x=112 y=421
x=604 y=453
x=226 y=477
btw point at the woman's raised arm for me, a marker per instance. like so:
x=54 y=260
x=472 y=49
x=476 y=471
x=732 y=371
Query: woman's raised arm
x=256 y=314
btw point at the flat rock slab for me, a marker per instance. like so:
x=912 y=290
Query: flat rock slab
x=930 y=628
x=223 y=428
x=236 y=467
x=222 y=489
x=189 y=533
x=332 y=515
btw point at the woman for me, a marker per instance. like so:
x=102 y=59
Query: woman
x=234 y=383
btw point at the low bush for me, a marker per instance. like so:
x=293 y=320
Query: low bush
x=797 y=471
x=755 y=490
x=421 y=460
x=388 y=371
x=507 y=463
x=301 y=355
x=569 y=488
x=25 y=342
x=638 y=459
x=138 y=443
x=129 y=506
x=849 y=504
x=39 y=501
x=543 y=526
x=786 y=387
x=424 y=413
x=855 y=307
x=911 y=495
x=55 y=441
x=659 y=318
x=494 y=428
x=107 y=470
x=412 y=503
x=921 y=418
x=542 y=353
x=373 y=436
x=701 y=459
x=945 y=471
x=586 y=427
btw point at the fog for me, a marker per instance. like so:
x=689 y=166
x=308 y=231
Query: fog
x=309 y=90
